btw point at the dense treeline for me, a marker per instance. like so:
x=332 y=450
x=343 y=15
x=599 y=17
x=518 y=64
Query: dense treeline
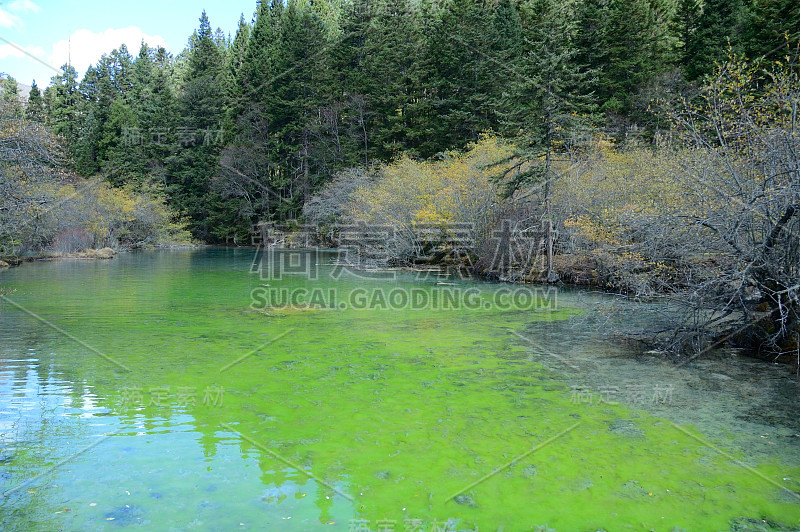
x=244 y=128
x=46 y=209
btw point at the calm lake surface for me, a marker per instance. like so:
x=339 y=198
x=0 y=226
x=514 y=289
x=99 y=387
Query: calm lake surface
x=160 y=391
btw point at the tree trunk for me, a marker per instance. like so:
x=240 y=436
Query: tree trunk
x=551 y=275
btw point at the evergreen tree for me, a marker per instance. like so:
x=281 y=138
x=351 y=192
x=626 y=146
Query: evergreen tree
x=591 y=36
x=259 y=62
x=123 y=162
x=100 y=86
x=687 y=23
x=156 y=115
x=506 y=47
x=277 y=157
x=638 y=44
x=200 y=105
x=296 y=99
x=392 y=77
x=119 y=69
x=235 y=62
x=96 y=97
x=352 y=86
x=459 y=75
x=249 y=163
x=551 y=107
x=771 y=23
x=720 y=30
x=62 y=108
x=506 y=30
x=35 y=108
x=142 y=71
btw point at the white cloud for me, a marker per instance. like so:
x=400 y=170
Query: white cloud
x=23 y=6
x=86 y=47
x=7 y=50
x=7 y=20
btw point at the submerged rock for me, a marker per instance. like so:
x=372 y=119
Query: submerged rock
x=632 y=488
x=529 y=471
x=125 y=515
x=625 y=427
x=465 y=500
x=104 y=253
x=581 y=484
x=758 y=525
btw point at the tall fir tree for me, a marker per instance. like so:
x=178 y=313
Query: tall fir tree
x=392 y=81
x=687 y=24
x=123 y=162
x=591 y=36
x=234 y=63
x=97 y=91
x=772 y=22
x=156 y=116
x=352 y=85
x=297 y=97
x=638 y=46
x=506 y=47
x=197 y=139
x=62 y=110
x=552 y=104
x=35 y=108
x=720 y=30
x=249 y=163
x=460 y=73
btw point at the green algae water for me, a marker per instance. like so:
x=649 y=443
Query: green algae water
x=187 y=390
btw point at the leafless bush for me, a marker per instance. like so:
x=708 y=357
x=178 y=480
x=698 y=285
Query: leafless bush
x=709 y=221
x=72 y=240
x=328 y=209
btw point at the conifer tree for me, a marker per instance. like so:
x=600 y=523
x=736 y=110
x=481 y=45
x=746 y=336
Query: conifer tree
x=35 y=108
x=352 y=86
x=233 y=90
x=686 y=24
x=156 y=116
x=197 y=142
x=461 y=72
x=62 y=111
x=551 y=107
x=720 y=30
x=771 y=22
x=638 y=47
x=392 y=70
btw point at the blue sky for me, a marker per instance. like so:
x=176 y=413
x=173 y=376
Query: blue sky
x=43 y=29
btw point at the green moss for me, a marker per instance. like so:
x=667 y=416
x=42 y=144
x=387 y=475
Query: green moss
x=407 y=411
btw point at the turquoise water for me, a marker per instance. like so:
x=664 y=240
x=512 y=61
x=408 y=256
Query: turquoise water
x=177 y=391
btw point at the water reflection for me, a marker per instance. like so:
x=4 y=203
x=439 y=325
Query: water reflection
x=68 y=462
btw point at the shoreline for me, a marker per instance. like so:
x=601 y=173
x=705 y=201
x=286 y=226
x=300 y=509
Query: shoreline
x=106 y=253
x=570 y=278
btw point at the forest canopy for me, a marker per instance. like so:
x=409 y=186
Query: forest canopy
x=244 y=128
